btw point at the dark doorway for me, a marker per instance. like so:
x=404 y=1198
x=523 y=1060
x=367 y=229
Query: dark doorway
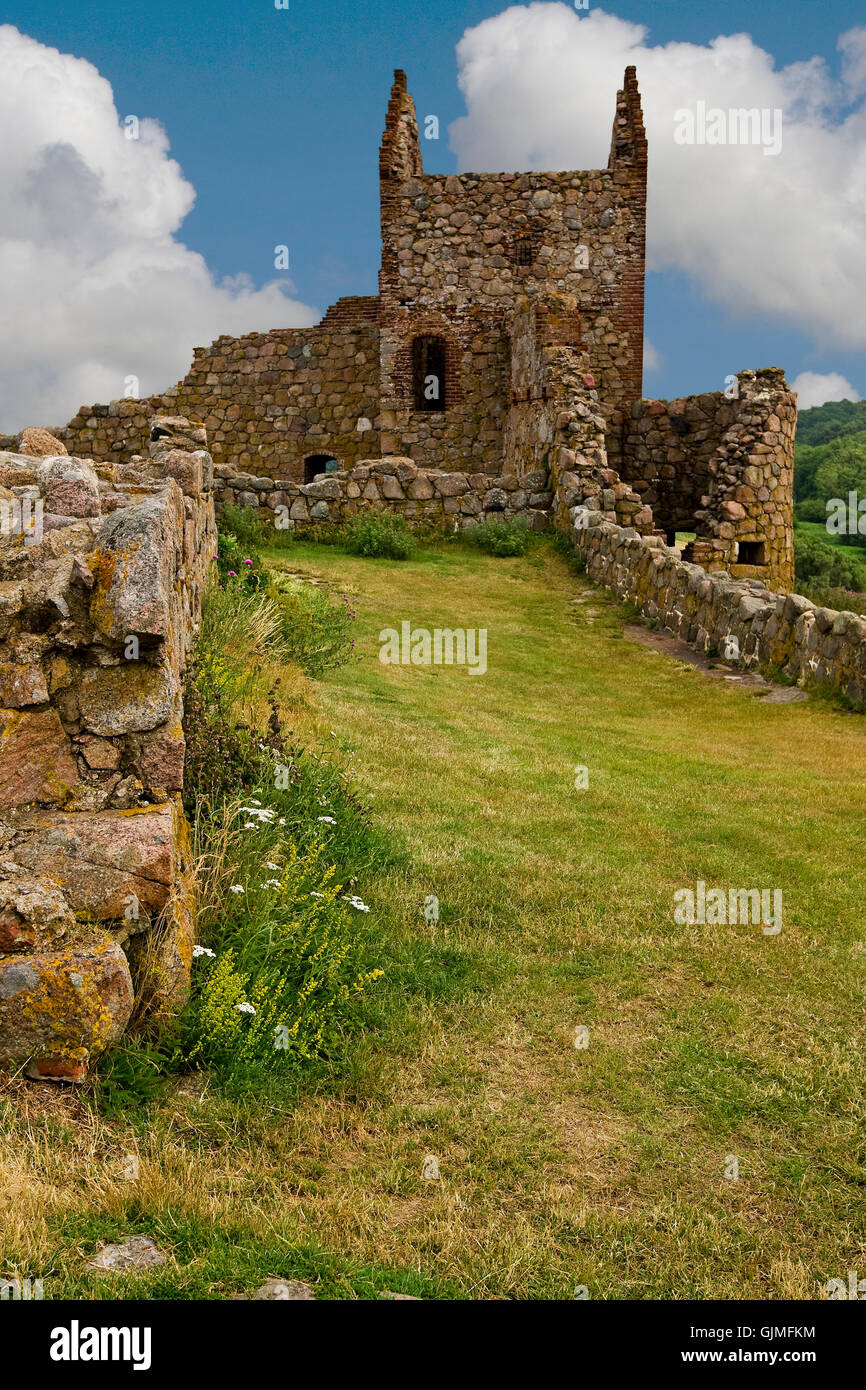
x=319 y=463
x=428 y=373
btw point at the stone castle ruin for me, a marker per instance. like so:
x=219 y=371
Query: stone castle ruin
x=497 y=373
x=504 y=301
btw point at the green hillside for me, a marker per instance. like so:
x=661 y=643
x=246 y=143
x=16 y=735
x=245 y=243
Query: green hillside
x=833 y=420
x=829 y=462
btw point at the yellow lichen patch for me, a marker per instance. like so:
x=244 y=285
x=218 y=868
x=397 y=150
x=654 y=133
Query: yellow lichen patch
x=69 y=1007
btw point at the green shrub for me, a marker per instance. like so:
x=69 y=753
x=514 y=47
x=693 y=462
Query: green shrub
x=222 y=757
x=319 y=534
x=245 y=525
x=844 y=600
x=499 y=537
x=240 y=629
x=812 y=509
x=382 y=535
x=562 y=543
x=241 y=633
x=317 y=630
x=824 y=566
x=131 y=1075
x=237 y=563
x=276 y=830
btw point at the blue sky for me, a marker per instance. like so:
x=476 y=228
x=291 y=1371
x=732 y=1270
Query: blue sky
x=275 y=118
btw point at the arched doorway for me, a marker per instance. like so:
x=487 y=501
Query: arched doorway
x=319 y=463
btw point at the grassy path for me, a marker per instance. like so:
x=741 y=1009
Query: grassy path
x=601 y=1166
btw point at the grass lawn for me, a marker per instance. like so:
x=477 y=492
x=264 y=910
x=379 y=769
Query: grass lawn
x=560 y=1166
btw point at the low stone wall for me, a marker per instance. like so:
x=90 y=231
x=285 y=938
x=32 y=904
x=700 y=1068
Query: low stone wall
x=422 y=496
x=102 y=569
x=741 y=619
x=747 y=622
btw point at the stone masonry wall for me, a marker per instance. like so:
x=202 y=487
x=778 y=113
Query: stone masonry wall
x=267 y=400
x=555 y=421
x=705 y=609
x=427 y=497
x=97 y=615
x=723 y=468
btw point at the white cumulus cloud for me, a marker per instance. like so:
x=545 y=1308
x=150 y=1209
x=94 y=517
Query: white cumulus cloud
x=814 y=388
x=782 y=237
x=652 y=358
x=94 y=284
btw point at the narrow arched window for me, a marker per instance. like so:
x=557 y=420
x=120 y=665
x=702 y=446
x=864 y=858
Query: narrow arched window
x=523 y=249
x=428 y=373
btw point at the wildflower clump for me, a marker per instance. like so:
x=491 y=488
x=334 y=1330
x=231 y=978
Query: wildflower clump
x=285 y=970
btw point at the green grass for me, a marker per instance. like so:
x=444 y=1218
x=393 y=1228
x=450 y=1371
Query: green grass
x=559 y=1166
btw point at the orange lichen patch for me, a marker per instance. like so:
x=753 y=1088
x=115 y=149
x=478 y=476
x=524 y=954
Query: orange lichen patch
x=111 y=569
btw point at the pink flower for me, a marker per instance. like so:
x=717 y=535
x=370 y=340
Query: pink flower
x=248 y=562
x=234 y=572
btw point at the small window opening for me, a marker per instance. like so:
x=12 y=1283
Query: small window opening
x=523 y=249
x=319 y=463
x=751 y=553
x=428 y=373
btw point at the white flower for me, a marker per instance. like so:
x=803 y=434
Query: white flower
x=237 y=888
x=245 y=1008
x=251 y=825
x=203 y=951
x=271 y=883
x=329 y=820
x=317 y=895
x=269 y=865
x=253 y=802
x=356 y=902
x=281 y=821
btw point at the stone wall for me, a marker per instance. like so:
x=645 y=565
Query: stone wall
x=267 y=400
x=425 y=497
x=723 y=468
x=100 y=600
x=739 y=618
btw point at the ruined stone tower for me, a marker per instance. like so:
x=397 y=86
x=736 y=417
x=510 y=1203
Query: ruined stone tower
x=458 y=252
